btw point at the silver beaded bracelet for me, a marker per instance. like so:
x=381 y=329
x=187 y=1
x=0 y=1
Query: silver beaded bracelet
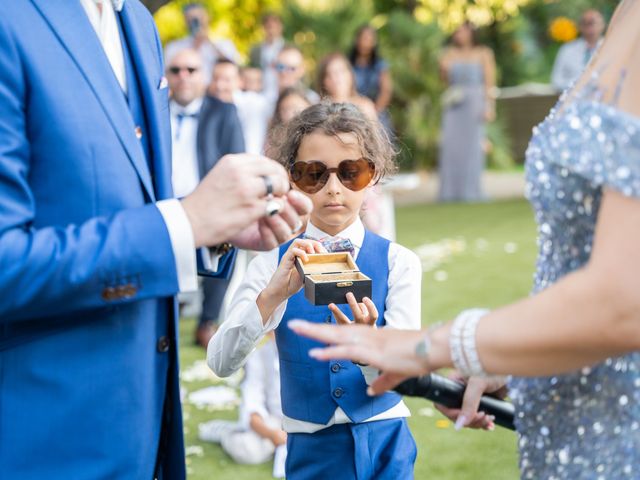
x=462 y=343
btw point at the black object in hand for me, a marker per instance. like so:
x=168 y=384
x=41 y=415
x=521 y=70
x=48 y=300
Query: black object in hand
x=450 y=393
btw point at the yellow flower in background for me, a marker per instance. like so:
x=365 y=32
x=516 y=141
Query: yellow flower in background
x=563 y=30
x=170 y=22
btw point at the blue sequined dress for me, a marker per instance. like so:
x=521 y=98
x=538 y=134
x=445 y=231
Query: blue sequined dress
x=584 y=425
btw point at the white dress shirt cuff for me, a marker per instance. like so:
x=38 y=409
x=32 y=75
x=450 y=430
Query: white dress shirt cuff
x=182 y=243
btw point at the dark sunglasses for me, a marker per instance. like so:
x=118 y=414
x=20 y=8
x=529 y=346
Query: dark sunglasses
x=311 y=177
x=281 y=67
x=177 y=70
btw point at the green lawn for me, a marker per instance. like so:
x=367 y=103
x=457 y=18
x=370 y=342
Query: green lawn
x=478 y=255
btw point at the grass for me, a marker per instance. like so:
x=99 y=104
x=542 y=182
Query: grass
x=480 y=255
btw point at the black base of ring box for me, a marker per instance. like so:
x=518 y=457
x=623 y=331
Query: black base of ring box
x=328 y=277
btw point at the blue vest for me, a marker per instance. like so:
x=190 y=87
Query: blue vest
x=311 y=390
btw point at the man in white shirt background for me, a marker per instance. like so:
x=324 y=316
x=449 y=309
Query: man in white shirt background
x=254 y=109
x=263 y=55
x=197 y=19
x=573 y=57
x=203 y=130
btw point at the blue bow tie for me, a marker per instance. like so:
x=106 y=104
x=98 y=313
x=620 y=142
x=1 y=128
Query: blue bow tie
x=335 y=244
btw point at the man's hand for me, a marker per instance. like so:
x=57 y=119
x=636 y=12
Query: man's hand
x=230 y=204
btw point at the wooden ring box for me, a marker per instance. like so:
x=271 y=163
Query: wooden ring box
x=328 y=277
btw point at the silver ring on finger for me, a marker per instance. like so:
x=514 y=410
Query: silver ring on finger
x=273 y=207
x=268 y=185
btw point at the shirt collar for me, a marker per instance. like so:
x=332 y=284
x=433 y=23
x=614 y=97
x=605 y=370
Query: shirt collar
x=354 y=232
x=117 y=5
x=189 y=109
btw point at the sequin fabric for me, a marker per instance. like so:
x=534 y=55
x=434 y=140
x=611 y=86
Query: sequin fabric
x=584 y=425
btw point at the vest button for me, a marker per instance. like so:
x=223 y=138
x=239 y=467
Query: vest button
x=163 y=344
x=338 y=392
x=328 y=319
x=335 y=368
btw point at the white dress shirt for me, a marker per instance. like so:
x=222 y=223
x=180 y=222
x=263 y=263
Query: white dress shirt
x=570 y=62
x=261 y=385
x=185 y=174
x=268 y=54
x=243 y=328
x=105 y=24
x=254 y=111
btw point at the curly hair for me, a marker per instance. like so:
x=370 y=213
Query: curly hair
x=333 y=119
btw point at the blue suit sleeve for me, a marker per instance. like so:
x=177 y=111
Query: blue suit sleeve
x=53 y=269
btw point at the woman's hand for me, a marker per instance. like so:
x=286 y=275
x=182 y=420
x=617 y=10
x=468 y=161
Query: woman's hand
x=364 y=313
x=286 y=280
x=468 y=415
x=389 y=350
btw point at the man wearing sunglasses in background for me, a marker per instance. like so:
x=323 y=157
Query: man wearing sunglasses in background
x=290 y=70
x=93 y=248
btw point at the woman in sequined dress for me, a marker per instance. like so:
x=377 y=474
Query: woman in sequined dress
x=573 y=346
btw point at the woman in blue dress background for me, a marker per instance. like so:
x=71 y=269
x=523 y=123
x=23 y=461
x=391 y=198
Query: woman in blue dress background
x=574 y=344
x=373 y=79
x=469 y=72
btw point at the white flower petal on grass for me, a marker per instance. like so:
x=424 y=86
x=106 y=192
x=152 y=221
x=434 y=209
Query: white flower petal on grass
x=510 y=247
x=441 y=276
x=426 y=412
x=432 y=255
x=481 y=244
x=194 y=450
x=198 y=372
x=217 y=397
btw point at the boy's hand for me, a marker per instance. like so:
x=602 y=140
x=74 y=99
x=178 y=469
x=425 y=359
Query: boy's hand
x=286 y=280
x=364 y=313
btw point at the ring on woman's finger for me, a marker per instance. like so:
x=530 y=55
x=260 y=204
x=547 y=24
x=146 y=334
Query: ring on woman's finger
x=268 y=184
x=272 y=207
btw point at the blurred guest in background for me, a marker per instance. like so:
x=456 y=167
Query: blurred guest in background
x=290 y=103
x=290 y=70
x=573 y=57
x=469 y=71
x=373 y=79
x=252 y=79
x=264 y=54
x=254 y=109
x=257 y=436
x=336 y=81
x=197 y=20
x=203 y=130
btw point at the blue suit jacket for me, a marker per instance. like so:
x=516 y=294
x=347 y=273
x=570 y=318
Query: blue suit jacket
x=87 y=277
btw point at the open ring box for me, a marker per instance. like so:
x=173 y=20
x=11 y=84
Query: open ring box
x=328 y=277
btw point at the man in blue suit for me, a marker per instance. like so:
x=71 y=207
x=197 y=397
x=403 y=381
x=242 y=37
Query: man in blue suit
x=92 y=247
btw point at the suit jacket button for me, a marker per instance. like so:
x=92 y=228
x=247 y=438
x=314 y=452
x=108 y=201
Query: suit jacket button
x=109 y=294
x=163 y=344
x=335 y=368
x=338 y=392
x=127 y=291
x=138 y=132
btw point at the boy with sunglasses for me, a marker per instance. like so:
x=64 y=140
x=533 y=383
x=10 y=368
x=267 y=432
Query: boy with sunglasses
x=335 y=430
